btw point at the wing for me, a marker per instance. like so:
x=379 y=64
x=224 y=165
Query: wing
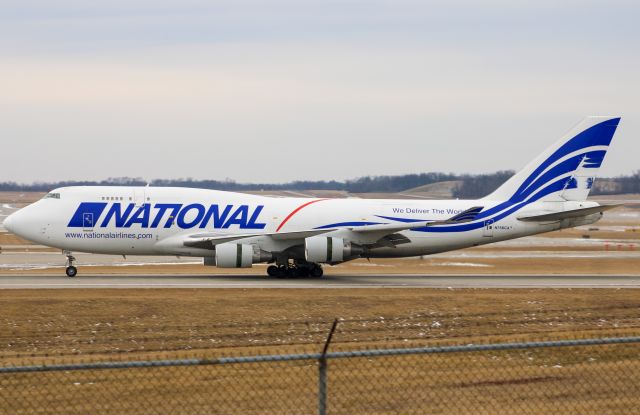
x=384 y=233
x=463 y=217
x=209 y=241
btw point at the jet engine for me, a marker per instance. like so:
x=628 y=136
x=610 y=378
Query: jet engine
x=323 y=249
x=230 y=255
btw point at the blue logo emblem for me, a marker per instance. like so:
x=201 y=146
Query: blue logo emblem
x=87 y=220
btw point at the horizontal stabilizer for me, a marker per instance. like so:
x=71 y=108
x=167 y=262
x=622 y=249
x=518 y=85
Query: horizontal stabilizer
x=567 y=214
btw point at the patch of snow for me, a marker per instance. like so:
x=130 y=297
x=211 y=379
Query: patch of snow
x=370 y=264
x=461 y=264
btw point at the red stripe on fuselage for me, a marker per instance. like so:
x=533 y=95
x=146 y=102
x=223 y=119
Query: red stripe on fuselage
x=296 y=210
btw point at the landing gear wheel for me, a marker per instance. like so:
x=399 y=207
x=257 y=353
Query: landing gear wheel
x=301 y=272
x=292 y=272
x=71 y=271
x=282 y=272
x=316 y=271
x=273 y=271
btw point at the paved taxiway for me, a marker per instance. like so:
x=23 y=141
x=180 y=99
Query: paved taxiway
x=331 y=281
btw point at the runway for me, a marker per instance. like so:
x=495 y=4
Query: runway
x=331 y=281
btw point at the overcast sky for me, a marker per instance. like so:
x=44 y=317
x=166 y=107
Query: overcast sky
x=273 y=91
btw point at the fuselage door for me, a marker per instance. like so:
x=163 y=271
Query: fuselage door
x=139 y=196
x=488 y=228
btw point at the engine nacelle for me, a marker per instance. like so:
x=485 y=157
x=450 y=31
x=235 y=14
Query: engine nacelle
x=239 y=255
x=327 y=249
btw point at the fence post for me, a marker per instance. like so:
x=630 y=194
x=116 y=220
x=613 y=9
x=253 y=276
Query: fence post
x=322 y=372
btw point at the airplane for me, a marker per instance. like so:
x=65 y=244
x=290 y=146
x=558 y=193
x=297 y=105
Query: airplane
x=298 y=235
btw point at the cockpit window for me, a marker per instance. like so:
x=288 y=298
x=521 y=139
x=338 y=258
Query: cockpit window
x=52 y=196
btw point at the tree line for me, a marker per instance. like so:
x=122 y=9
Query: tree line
x=469 y=187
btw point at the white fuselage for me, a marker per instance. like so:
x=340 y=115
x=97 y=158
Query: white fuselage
x=157 y=220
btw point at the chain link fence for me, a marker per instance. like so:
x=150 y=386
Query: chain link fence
x=589 y=375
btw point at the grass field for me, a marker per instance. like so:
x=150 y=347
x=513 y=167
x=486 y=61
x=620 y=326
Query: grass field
x=147 y=321
x=91 y=325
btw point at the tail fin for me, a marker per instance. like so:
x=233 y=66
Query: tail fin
x=567 y=169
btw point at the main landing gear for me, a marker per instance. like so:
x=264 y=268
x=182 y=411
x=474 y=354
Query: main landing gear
x=71 y=270
x=295 y=270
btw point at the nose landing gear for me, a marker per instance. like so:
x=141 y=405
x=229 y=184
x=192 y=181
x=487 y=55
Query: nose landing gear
x=71 y=270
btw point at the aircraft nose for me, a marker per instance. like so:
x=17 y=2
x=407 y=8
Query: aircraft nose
x=27 y=224
x=9 y=222
x=19 y=223
x=22 y=224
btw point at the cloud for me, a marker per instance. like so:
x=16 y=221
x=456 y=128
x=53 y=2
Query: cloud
x=275 y=91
